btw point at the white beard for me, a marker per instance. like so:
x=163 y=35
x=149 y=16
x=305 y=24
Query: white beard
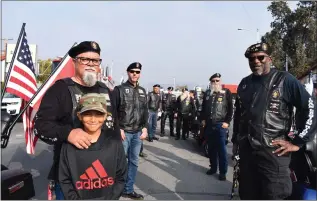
x=215 y=88
x=90 y=78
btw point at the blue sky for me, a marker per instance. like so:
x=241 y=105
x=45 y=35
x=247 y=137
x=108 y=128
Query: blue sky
x=186 y=40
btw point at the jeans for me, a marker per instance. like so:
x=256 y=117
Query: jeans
x=216 y=139
x=58 y=192
x=152 y=123
x=132 y=146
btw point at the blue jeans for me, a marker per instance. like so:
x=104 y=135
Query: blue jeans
x=58 y=192
x=152 y=123
x=132 y=146
x=216 y=139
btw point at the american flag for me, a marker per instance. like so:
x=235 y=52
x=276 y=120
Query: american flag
x=22 y=82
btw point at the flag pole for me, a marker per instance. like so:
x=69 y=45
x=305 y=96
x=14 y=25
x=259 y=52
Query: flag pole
x=12 y=60
x=5 y=135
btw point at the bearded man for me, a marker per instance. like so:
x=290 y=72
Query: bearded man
x=56 y=121
x=217 y=110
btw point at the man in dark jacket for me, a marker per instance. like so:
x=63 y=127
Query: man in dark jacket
x=132 y=110
x=185 y=108
x=217 y=110
x=168 y=110
x=56 y=121
x=154 y=104
x=262 y=121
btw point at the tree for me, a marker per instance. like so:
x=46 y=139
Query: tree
x=293 y=35
x=45 y=68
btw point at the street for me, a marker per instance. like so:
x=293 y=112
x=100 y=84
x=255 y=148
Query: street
x=173 y=170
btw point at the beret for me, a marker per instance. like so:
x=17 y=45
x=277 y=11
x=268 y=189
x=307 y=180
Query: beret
x=85 y=46
x=156 y=85
x=258 y=47
x=170 y=88
x=135 y=65
x=214 y=76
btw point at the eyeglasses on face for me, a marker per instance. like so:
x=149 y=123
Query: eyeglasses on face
x=260 y=58
x=215 y=80
x=134 y=71
x=85 y=61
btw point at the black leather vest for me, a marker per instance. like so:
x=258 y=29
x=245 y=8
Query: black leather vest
x=216 y=106
x=169 y=101
x=133 y=105
x=154 y=101
x=264 y=113
x=76 y=93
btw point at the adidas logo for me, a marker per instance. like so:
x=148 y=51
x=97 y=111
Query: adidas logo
x=95 y=177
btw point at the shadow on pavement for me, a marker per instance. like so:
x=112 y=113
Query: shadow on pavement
x=192 y=182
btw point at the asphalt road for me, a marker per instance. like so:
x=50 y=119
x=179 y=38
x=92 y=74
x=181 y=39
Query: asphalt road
x=173 y=170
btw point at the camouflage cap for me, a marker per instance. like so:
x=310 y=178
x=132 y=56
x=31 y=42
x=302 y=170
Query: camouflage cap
x=92 y=101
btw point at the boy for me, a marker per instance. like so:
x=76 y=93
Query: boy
x=98 y=172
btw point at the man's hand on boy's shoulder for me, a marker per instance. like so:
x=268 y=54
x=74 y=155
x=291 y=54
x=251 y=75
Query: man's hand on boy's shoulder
x=79 y=138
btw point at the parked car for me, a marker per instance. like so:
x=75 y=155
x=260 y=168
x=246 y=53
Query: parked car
x=11 y=103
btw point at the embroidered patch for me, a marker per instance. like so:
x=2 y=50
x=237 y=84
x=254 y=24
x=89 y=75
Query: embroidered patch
x=275 y=94
x=127 y=91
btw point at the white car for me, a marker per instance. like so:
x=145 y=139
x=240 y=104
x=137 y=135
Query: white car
x=11 y=103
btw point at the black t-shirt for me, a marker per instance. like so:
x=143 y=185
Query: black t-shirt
x=98 y=172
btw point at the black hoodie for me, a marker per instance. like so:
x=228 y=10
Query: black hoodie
x=98 y=172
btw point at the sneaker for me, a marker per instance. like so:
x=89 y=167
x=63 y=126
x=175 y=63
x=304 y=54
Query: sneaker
x=143 y=155
x=133 y=196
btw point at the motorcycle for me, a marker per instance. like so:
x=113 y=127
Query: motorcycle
x=15 y=184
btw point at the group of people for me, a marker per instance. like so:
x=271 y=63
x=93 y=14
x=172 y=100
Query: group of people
x=98 y=133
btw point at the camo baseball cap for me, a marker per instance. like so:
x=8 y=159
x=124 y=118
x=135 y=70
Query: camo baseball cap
x=92 y=101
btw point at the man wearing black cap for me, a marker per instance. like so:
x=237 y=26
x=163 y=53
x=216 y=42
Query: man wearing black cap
x=185 y=108
x=154 y=104
x=216 y=115
x=56 y=121
x=262 y=121
x=132 y=110
x=168 y=107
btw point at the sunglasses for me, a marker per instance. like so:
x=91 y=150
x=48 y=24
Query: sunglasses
x=260 y=58
x=135 y=71
x=215 y=80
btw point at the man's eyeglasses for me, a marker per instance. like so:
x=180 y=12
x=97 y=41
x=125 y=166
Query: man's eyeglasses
x=260 y=58
x=85 y=61
x=215 y=80
x=135 y=71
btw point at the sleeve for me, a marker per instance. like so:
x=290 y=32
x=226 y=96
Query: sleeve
x=228 y=117
x=203 y=107
x=306 y=111
x=236 y=120
x=194 y=109
x=146 y=113
x=177 y=103
x=47 y=124
x=64 y=175
x=115 y=101
x=121 y=173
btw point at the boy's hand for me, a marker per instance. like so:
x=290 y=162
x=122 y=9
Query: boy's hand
x=79 y=138
x=144 y=134
x=122 y=134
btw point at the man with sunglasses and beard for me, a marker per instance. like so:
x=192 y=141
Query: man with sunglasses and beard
x=56 y=120
x=262 y=121
x=217 y=110
x=132 y=109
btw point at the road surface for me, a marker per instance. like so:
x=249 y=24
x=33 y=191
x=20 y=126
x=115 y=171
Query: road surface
x=173 y=170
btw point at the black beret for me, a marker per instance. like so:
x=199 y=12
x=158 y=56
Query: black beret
x=192 y=91
x=156 y=85
x=258 y=47
x=86 y=46
x=185 y=89
x=135 y=65
x=170 y=88
x=214 y=76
